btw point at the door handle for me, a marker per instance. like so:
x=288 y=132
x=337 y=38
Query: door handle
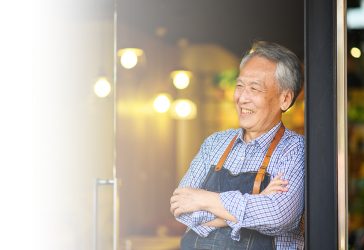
x=106 y=182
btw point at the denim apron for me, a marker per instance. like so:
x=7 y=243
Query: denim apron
x=219 y=180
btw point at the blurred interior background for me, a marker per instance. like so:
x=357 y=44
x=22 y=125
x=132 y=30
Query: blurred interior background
x=143 y=82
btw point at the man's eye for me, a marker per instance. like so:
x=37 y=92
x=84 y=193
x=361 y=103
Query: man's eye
x=255 y=89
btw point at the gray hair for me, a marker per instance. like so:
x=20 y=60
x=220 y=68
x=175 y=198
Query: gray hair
x=288 y=72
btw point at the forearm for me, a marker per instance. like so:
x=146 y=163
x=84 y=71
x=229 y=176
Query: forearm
x=201 y=220
x=188 y=200
x=210 y=201
x=213 y=204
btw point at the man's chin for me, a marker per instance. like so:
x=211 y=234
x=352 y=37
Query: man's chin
x=245 y=125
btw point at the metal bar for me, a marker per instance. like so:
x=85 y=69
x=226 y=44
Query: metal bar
x=342 y=156
x=115 y=214
x=96 y=201
x=100 y=182
x=116 y=222
x=113 y=181
x=105 y=182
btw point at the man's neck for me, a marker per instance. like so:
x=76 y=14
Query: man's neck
x=251 y=135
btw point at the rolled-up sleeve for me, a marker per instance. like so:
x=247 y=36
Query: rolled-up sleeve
x=196 y=220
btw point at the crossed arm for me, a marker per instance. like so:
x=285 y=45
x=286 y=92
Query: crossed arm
x=273 y=212
x=187 y=200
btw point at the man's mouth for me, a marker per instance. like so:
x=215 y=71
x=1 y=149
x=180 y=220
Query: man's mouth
x=246 y=111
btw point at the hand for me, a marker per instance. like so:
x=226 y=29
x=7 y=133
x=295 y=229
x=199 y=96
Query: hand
x=277 y=185
x=186 y=200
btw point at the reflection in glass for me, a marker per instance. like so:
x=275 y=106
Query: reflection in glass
x=102 y=87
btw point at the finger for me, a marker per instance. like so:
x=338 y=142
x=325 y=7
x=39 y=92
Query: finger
x=177 y=212
x=273 y=188
x=181 y=191
x=280 y=189
x=279 y=182
x=177 y=191
x=173 y=199
x=278 y=176
x=174 y=206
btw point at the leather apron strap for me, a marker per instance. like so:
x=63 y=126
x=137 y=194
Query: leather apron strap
x=225 y=154
x=261 y=172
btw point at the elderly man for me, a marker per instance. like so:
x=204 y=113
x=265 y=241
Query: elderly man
x=220 y=198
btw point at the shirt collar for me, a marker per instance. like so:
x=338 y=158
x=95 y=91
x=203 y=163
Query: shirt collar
x=263 y=140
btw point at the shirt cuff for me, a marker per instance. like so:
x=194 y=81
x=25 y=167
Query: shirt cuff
x=200 y=217
x=235 y=203
x=202 y=230
x=196 y=218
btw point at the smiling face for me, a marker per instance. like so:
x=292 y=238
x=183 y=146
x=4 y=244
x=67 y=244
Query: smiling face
x=258 y=100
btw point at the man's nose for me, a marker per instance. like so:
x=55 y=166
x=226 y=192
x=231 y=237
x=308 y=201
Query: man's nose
x=244 y=96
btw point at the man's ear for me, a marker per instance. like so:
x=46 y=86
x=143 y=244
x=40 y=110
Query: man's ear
x=286 y=98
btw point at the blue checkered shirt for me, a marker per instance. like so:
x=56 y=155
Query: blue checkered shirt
x=274 y=214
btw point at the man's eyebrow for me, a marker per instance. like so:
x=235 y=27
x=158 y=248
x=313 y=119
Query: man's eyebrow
x=257 y=83
x=254 y=82
x=249 y=82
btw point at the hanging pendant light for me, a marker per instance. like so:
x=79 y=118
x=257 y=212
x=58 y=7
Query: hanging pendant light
x=129 y=57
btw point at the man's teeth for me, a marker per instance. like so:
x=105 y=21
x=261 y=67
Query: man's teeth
x=246 y=111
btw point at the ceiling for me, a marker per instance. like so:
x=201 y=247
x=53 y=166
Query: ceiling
x=233 y=24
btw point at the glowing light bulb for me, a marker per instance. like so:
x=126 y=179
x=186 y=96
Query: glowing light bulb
x=181 y=79
x=162 y=103
x=129 y=59
x=184 y=109
x=102 y=87
x=355 y=52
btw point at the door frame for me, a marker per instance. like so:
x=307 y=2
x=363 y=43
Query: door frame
x=325 y=125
